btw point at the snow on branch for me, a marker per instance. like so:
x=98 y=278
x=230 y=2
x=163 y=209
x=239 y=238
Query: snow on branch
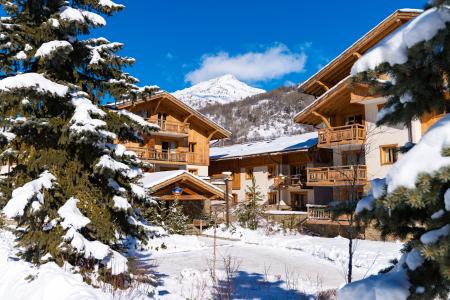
x=425 y=157
x=81 y=121
x=107 y=163
x=121 y=203
x=71 y=215
x=30 y=191
x=378 y=189
x=74 y=220
x=394 y=48
x=33 y=81
x=110 y=4
x=47 y=49
x=81 y=16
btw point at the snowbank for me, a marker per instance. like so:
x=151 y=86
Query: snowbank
x=174 y=243
x=19 y=279
x=393 y=285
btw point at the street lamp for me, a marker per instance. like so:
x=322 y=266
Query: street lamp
x=281 y=178
x=227 y=176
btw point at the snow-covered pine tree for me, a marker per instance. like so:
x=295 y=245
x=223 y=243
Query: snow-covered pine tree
x=413 y=202
x=72 y=187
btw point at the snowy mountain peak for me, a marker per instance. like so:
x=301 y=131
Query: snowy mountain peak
x=223 y=89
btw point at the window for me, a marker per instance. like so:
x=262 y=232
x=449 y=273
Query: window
x=388 y=154
x=192 y=147
x=193 y=171
x=353 y=119
x=236 y=181
x=248 y=173
x=272 y=198
x=298 y=201
x=270 y=171
x=162 y=118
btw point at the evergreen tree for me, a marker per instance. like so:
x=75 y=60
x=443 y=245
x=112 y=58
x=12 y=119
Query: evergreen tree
x=418 y=83
x=72 y=187
x=250 y=212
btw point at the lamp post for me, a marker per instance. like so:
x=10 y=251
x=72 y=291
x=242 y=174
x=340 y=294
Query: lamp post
x=227 y=176
x=281 y=177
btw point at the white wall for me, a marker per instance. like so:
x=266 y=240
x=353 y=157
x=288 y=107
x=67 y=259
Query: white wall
x=383 y=135
x=202 y=170
x=262 y=181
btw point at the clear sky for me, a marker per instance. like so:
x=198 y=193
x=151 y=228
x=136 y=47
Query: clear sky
x=265 y=43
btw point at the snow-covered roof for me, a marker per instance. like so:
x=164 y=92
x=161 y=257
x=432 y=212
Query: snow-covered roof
x=151 y=180
x=393 y=49
x=282 y=144
x=361 y=44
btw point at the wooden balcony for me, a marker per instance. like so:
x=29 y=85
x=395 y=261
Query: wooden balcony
x=298 y=180
x=337 y=176
x=171 y=128
x=343 y=135
x=318 y=212
x=176 y=157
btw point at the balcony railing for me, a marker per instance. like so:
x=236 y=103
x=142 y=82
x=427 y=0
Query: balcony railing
x=171 y=127
x=291 y=180
x=335 y=176
x=156 y=155
x=318 y=212
x=342 y=135
x=169 y=156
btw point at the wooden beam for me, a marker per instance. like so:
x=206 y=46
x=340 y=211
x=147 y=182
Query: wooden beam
x=183 y=197
x=356 y=54
x=326 y=87
x=325 y=120
x=211 y=135
x=187 y=118
x=157 y=106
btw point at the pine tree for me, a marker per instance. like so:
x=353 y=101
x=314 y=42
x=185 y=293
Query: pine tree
x=420 y=212
x=72 y=185
x=250 y=212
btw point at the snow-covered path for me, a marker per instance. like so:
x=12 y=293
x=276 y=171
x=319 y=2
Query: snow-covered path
x=263 y=270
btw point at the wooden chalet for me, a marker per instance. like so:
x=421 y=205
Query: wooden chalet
x=183 y=140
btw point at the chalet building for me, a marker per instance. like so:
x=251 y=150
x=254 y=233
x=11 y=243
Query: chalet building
x=183 y=140
x=278 y=167
x=178 y=153
x=346 y=115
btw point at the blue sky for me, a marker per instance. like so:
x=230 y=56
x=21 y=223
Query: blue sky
x=265 y=43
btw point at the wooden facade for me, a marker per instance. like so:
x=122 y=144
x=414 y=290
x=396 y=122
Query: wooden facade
x=184 y=135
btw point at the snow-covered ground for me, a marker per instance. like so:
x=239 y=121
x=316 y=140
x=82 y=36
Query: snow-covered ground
x=275 y=266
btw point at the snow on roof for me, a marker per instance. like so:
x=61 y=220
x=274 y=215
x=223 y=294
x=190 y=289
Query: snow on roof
x=150 y=180
x=33 y=81
x=393 y=49
x=281 y=144
x=406 y=10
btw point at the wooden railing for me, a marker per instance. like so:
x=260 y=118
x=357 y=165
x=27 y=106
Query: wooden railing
x=318 y=212
x=172 y=127
x=333 y=176
x=152 y=154
x=291 y=180
x=169 y=156
x=342 y=135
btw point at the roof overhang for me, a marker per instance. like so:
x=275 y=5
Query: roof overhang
x=217 y=132
x=186 y=178
x=339 y=67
